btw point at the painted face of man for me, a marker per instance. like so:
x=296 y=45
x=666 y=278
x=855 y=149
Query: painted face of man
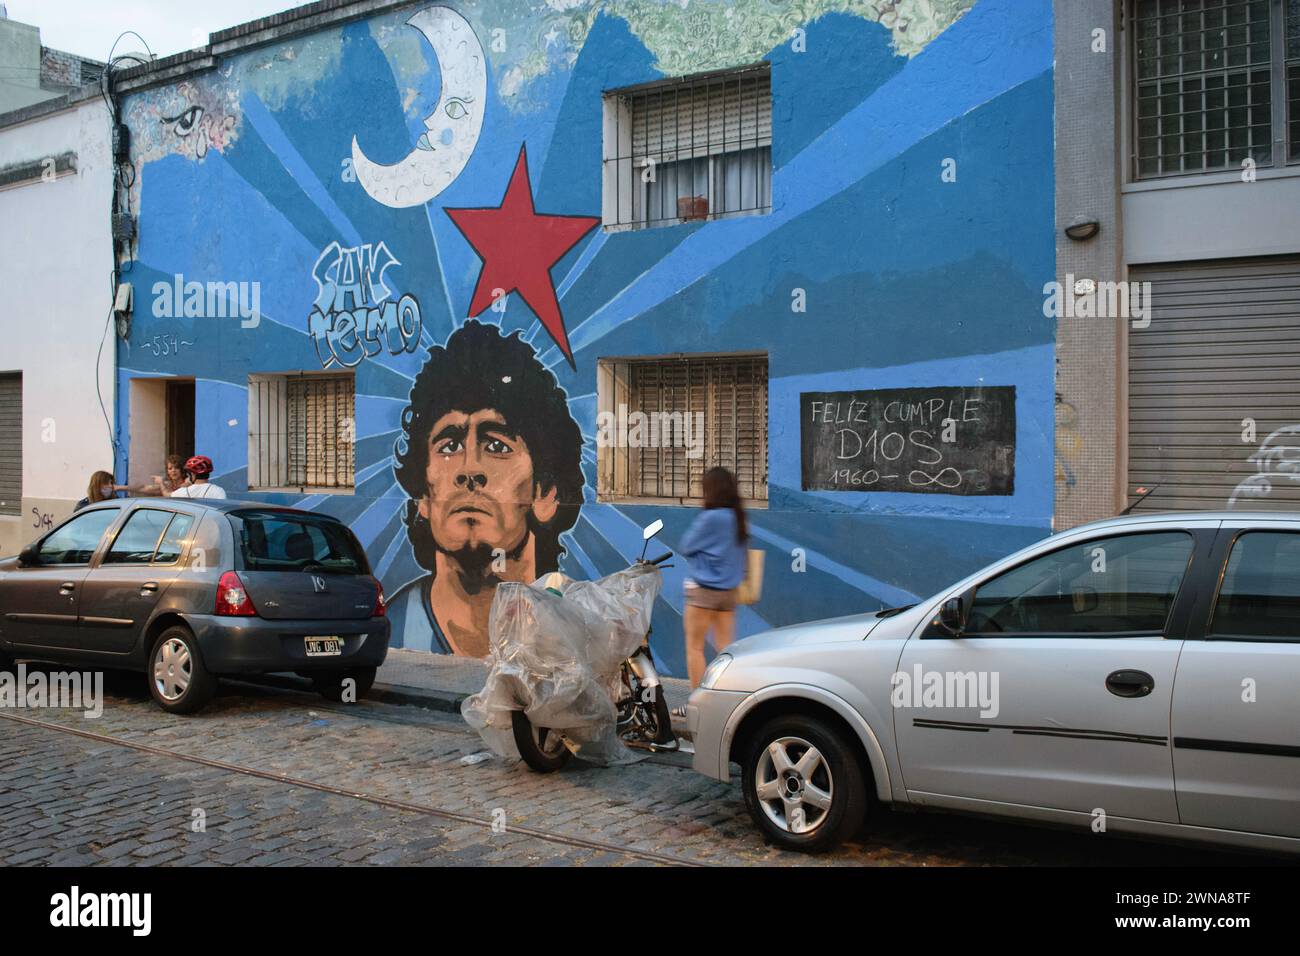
x=480 y=485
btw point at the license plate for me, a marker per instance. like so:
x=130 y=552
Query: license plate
x=324 y=646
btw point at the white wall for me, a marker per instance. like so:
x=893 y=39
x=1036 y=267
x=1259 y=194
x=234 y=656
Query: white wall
x=56 y=261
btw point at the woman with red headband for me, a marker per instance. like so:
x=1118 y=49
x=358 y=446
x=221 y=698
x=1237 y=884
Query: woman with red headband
x=199 y=468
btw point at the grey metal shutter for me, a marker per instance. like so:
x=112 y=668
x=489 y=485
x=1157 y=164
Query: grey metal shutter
x=1223 y=346
x=11 y=442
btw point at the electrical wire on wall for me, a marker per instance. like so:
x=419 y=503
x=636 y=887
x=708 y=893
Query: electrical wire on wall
x=124 y=175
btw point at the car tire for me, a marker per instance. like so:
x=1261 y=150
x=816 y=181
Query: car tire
x=178 y=680
x=329 y=684
x=809 y=794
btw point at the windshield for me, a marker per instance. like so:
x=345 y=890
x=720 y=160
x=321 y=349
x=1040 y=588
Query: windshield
x=292 y=541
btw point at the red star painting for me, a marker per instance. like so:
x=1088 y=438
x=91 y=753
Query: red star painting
x=519 y=246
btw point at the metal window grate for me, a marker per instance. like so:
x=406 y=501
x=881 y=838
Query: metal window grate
x=691 y=149
x=1203 y=85
x=1293 y=79
x=302 y=432
x=705 y=410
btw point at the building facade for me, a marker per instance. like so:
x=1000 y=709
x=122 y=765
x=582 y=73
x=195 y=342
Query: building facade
x=496 y=283
x=1178 y=135
x=31 y=73
x=57 y=357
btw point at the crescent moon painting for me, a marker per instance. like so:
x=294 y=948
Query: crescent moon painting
x=451 y=130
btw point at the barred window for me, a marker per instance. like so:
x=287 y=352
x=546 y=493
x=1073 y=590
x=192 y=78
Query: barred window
x=1293 y=77
x=302 y=433
x=691 y=149
x=1204 y=84
x=663 y=422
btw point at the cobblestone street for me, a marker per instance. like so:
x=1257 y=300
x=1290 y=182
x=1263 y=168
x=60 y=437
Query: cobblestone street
x=273 y=777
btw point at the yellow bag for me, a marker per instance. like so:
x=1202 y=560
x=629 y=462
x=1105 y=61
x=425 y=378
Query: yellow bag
x=750 y=590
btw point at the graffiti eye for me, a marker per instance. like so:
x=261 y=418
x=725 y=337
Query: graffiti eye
x=184 y=124
x=496 y=446
x=456 y=108
x=451 y=446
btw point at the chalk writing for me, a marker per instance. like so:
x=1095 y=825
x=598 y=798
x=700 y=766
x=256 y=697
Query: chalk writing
x=941 y=440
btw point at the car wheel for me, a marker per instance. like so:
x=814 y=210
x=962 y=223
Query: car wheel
x=330 y=684
x=803 y=784
x=177 y=678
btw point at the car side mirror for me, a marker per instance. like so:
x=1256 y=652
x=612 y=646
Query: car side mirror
x=952 y=617
x=29 y=556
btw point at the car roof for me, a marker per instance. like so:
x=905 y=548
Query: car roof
x=1147 y=517
x=193 y=505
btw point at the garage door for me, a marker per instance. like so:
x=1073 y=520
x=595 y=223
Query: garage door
x=11 y=442
x=1214 y=387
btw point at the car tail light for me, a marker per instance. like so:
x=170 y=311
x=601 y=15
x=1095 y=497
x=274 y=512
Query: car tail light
x=232 y=597
x=381 y=604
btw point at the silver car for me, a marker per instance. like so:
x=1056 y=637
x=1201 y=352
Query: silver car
x=1139 y=675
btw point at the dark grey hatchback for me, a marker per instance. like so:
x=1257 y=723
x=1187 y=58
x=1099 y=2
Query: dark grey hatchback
x=190 y=589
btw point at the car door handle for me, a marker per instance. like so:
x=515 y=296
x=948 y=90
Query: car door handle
x=149 y=587
x=67 y=587
x=1130 y=683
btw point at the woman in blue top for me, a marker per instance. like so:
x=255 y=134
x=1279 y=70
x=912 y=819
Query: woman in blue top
x=714 y=547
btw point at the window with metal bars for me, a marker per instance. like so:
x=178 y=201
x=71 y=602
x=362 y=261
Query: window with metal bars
x=1211 y=81
x=302 y=432
x=690 y=149
x=665 y=421
x=1293 y=79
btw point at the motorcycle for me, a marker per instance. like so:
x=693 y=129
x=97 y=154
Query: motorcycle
x=643 y=722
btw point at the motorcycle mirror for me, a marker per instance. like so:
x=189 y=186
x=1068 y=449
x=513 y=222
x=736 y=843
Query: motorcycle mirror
x=652 y=529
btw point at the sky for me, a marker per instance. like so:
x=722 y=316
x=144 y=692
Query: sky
x=89 y=27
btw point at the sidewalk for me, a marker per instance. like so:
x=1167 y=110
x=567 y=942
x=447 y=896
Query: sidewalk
x=441 y=682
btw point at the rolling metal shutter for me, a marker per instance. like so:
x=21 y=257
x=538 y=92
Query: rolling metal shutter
x=702 y=117
x=1223 y=346
x=11 y=442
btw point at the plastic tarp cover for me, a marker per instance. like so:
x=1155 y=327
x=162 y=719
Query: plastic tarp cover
x=558 y=658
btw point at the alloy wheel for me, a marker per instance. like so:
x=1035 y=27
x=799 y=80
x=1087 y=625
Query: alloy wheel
x=794 y=785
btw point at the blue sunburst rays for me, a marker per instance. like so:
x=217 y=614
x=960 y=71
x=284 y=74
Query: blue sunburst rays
x=283 y=282
x=995 y=47
x=260 y=118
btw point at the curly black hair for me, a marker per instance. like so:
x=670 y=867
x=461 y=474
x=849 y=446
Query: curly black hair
x=480 y=368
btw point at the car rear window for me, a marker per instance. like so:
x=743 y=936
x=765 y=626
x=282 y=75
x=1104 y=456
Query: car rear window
x=292 y=541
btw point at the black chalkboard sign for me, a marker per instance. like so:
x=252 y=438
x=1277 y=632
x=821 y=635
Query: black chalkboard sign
x=949 y=440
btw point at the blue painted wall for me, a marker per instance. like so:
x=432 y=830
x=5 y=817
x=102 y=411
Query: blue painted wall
x=244 y=174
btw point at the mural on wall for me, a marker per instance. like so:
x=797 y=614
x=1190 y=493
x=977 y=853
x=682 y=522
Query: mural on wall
x=492 y=460
x=451 y=130
x=355 y=314
x=416 y=194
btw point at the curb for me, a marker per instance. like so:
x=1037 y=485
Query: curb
x=445 y=701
